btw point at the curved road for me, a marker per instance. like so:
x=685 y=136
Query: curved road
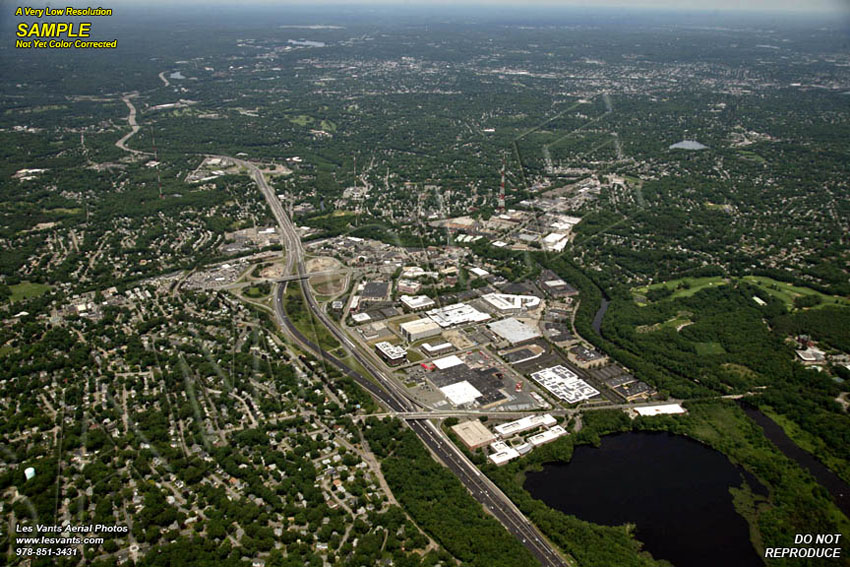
x=131 y=119
x=389 y=393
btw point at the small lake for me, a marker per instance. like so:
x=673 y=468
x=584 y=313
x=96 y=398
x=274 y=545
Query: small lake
x=673 y=488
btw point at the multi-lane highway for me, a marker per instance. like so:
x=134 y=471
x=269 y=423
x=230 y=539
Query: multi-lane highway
x=388 y=392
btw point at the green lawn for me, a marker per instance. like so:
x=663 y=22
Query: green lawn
x=27 y=290
x=301 y=119
x=787 y=292
x=783 y=291
x=704 y=349
x=695 y=284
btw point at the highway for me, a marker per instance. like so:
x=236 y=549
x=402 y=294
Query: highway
x=389 y=393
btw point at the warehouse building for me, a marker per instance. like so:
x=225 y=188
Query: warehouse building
x=513 y=331
x=474 y=434
x=420 y=329
x=461 y=393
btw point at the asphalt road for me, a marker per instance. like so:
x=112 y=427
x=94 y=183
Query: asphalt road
x=388 y=392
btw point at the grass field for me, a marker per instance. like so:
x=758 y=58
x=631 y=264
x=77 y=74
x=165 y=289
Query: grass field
x=696 y=284
x=704 y=349
x=26 y=290
x=675 y=323
x=787 y=292
x=783 y=291
x=301 y=119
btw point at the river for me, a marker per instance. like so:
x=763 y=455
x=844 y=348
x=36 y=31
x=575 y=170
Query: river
x=838 y=489
x=674 y=489
x=597 y=319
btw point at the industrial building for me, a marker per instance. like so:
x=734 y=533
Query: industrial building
x=513 y=331
x=564 y=384
x=509 y=304
x=417 y=303
x=390 y=353
x=525 y=424
x=419 y=329
x=474 y=434
x=456 y=314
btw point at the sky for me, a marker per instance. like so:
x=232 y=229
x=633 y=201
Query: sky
x=808 y=6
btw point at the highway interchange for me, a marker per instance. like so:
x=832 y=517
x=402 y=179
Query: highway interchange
x=389 y=393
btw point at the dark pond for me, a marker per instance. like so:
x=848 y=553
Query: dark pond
x=674 y=489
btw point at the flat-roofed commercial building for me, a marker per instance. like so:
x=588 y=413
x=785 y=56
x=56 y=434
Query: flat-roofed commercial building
x=408 y=286
x=664 y=409
x=420 y=329
x=502 y=453
x=447 y=362
x=416 y=303
x=390 y=353
x=474 y=434
x=435 y=348
x=456 y=314
x=564 y=384
x=507 y=303
x=461 y=393
x=547 y=436
x=513 y=331
x=525 y=424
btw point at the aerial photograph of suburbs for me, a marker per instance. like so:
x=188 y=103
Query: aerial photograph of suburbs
x=412 y=283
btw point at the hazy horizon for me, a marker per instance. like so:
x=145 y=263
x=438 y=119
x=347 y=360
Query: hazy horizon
x=766 y=6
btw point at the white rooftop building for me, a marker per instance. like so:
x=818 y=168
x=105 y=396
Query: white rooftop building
x=456 y=314
x=556 y=241
x=564 y=384
x=461 y=393
x=391 y=353
x=509 y=303
x=547 y=436
x=419 y=329
x=416 y=303
x=665 y=409
x=436 y=348
x=525 y=424
x=514 y=331
x=361 y=317
x=502 y=453
x=447 y=362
